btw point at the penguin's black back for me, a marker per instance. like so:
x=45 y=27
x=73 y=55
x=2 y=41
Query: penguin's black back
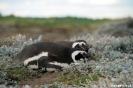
x=69 y=43
x=66 y=43
x=56 y=51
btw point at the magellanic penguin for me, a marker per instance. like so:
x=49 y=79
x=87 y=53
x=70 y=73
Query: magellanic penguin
x=76 y=44
x=49 y=55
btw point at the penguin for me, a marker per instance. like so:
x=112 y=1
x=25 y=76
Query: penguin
x=44 y=54
x=46 y=63
x=76 y=44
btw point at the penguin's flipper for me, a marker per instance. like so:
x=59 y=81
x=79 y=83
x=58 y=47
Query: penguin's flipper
x=43 y=62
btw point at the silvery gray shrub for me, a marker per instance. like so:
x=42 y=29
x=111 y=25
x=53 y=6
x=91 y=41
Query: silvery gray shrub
x=114 y=59
x=17 y=43
x=7 y=52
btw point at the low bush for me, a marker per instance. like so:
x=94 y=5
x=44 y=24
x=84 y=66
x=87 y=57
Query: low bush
x=112 y=64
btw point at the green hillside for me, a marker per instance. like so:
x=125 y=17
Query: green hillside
x=55 y=22
x=51 y=28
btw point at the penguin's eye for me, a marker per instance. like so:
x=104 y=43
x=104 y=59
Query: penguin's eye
x=82 y=44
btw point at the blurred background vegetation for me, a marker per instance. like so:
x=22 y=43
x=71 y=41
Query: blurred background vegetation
x=61 y=20
x=54 y=28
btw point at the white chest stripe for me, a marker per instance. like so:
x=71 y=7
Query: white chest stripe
x=65 y=65
x=74 y=54
x=35 y=57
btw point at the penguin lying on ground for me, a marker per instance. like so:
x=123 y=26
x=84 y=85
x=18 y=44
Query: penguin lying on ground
x=49 y=55
x=76 y=44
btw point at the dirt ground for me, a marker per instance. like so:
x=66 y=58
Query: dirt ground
x=46 y=78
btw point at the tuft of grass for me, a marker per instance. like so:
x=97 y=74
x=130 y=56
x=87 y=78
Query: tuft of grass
x=76 y=79
x=19 y=73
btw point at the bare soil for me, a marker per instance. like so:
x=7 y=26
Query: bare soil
x=46 y=78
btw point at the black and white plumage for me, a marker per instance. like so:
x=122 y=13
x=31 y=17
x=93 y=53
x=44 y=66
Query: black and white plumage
x=76 y=44
x=47 y=54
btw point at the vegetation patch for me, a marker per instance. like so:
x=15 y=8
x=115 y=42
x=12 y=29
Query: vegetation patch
x=113 y=65
x=52 y=23
x=76 y=79
x=19 y=72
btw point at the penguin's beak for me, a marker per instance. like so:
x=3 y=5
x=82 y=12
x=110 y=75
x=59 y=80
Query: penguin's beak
x=86 y=55
x=85 y=47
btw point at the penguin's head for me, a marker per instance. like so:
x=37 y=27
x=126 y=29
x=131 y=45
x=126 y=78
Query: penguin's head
x=81 y=44
x=79 y=55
